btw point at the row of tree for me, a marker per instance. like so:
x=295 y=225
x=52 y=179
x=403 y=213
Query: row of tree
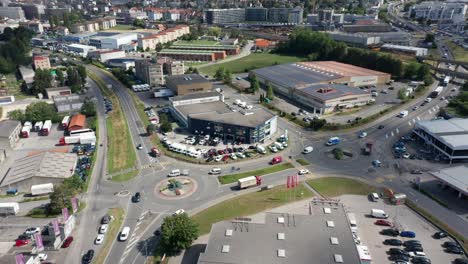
x=319 y=46
x=76 y=78
x=37 y=111
x=15 y=49
x=224 y=75
x=68 y=19
x=460 y=102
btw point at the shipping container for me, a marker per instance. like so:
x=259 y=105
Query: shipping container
x=38 y=126
x=65 y=121
x=9 y=208
x=41 y=189
x=46 y=128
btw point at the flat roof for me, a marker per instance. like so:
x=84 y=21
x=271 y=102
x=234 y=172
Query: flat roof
x=186 y=79
x=183 y=51
x=193 y=96
x=7 y=127
x=283 y=238
x=331 y=91
x=45 y=164
x=221 y=113
x=401 y=47
x=457 y=177
x=453 y=132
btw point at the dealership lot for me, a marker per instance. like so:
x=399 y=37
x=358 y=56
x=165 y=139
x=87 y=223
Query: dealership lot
x=403 y=219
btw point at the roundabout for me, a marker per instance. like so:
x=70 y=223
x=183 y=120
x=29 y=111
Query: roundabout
x=176 y=188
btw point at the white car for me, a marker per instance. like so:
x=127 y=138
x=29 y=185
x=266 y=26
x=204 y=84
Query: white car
x=32 y=230
x=42 y=256
x=406 y=156
x=218 y=158
x=415 y=107
x=428 y=100
x=99 y=239
x=201 y=142
x=417 y=254
x=207 y=137
x=240 y=155
x=179 y=212
x=233 y=156
x=103 y=229
x=363 y=135
x=273 y=149
x=303 y=171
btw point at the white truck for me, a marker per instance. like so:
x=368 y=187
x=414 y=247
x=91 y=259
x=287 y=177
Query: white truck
x=26 y=130
x=9 y=208
x=38 y=126
x=403 y=114
x=352 y=221
x=378 y=213
x=163 y=93
x=249 y=182
x=41 y=189
x=83 y=138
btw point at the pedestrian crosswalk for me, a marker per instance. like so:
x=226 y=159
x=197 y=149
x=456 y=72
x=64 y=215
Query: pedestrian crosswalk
x=134 y=238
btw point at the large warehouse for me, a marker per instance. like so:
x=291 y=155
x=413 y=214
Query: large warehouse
x=207 y=113
x=41 y=168
x=289 y=79
x=448 y=137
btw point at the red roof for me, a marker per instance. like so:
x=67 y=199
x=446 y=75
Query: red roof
x=77 y=121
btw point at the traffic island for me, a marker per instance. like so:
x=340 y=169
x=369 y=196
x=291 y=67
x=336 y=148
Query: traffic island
x=176 y=188
x=340 y=154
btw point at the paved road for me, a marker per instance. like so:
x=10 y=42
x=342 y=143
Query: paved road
x=244 y=52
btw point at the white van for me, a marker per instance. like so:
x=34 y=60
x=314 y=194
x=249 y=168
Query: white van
x=378 y=213
x=261 y=150
x=279 y=145
x=308 y=149
x=237 y=102
x=403 y=113
x=124 y=234
x=352 y=221
x=174 y=173
x=215 y=171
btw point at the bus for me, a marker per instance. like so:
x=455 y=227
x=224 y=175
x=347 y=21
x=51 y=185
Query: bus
x=437 y=91
x=446 y=80
x=80 y=131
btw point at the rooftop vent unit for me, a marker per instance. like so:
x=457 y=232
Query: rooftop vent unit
x=228 y=232
x=281 y=236
x=327 y=210
x=281 y=253
x=330 y=224
x=334 y=241
x=225 y=248
x=338 y=258
x=280 y=220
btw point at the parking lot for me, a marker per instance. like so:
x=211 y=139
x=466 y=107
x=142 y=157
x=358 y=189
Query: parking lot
x=403 y=219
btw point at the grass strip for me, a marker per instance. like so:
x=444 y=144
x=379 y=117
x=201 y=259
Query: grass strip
x=336 y=186
x=249 y=204
x=121 y=153
x=230 y=178
x=303 y=162
x=112 y=231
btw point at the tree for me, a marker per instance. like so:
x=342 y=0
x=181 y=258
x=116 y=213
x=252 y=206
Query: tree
x=82 y=73
x=227 y=78
x=270 y=93
x=42 y=81
x=88 y=108
x=411 y=70
x=402 y=94
x=219 y=75
x=196 y=71
x=166 y=127
x=40 y=111
x=16 y=115
x=317 y=124
x=429 y=38
x=74 y=79
x=60 y=77
x=150 y=129
x=177 y=233
x=159 y=47
x=254 y=85
x=139 y=23
x=214 y=31
x=423 y=71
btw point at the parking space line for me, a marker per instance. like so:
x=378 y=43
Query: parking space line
x=430 y=112
x=397 y=131
x=434 y=109
x=392 y=133
x=386 y=135
x=437 y=106
x=409 y=123
x=414 y=120
x=418 y=118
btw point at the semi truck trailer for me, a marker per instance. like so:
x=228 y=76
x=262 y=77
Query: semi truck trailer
x=249 y=182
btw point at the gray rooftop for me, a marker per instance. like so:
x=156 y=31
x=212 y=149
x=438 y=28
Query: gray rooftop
x=62 y=88
x=186 y=79
x=221 y=113
x=7 y=127
x=453 y=132
x=45 y=164
x=326 y=92
x=193 y=96
x=294 y=75
x=457 y=177
x=305 y=239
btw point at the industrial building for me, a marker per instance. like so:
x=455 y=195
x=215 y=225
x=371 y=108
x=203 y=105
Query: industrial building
x=228 y=49
x=79 y=49
x=207 y=113
x=68 y=103
x=124 y=63
x=41 y=168
x=57 y=91
x=105 y=55
x=358 y=40
x=326 y=98
x=112 y=40
x=154 y=72
x=9 y=133
x=79 y=37
x=410 y=50
x=374 y=27
x=454 y=177
x=396 y=38
x=192 y=55
x=315 y=83
x=324 y=236
x=188 y=84
x=447 y=137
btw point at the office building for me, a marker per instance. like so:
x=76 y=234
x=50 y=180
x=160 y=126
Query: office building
x=443 y=11
x=224 y=16
x=188 y=84
x=208 y=114
x=33 y=11
x=12 y=12
x=154 y=73
x=256 y=14
x=447 y=137
x=112 y=40
x=285 y=15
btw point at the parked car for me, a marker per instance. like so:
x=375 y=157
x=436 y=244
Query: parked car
x=179 y=212
x=136 y=198
x=103 y=229
x=400 y=258
x=409 y=234
x=303 y=171
x=414 y=248
x=440 y=234
x=88 y=257
x=390 y=232
x=397 y=251
x=449 y=244
x=421 y=260
x=42 y=256
x=393 y=242
x=380 y=126
x=460 y=261
x=32 y=230
x=455 y=250
x=383 y=222
x=21 y=242
x=416 y=172
x=67 y=242
x=99 y=239
x=225 y=158
x=412 y=243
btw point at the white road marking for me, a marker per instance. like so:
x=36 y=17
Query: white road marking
x=430 y=112
x=433 y=109
x=397 y=131
x=386 y=135
x=392 y=133
x=409 y=123
x=418 y=118
x=437 y=106
x=414 y=120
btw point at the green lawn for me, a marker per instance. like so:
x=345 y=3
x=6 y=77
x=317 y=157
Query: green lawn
x=303 y=162
x=251 y=62
x=198 y=42
x=336 y=186
x=113 y=230
x=125 y=176
x=249 y=204
x=122 y=27
x=13 y=87
x=459 y=53
x=230 y=178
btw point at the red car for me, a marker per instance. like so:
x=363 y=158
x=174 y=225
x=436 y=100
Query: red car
x=220 y=152
x=21 y=242
x=226 y=157
x=382 y=222
x=67 y=242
